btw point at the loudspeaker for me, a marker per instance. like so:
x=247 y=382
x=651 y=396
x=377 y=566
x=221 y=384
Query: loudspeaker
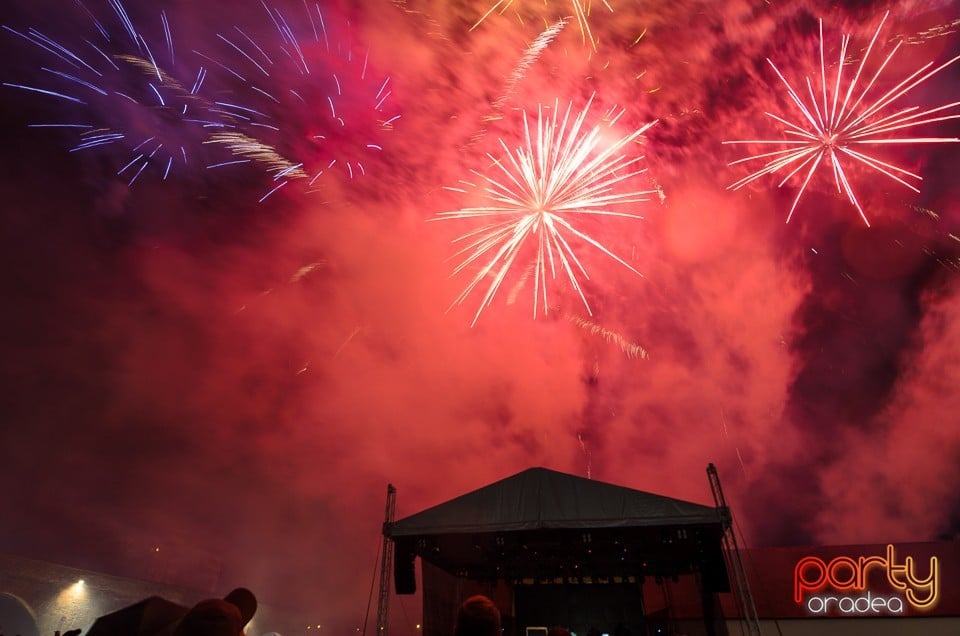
x=404 y=570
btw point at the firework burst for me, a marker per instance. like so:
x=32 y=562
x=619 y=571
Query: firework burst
x=840 y=119
x=305 y=101
x=562 y=172
x=127 y=96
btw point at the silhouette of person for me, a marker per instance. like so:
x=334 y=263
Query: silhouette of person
x=477 y=616
x=157 y=616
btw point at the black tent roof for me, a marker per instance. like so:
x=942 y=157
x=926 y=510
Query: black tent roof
x=545 y=525
x=539 y=498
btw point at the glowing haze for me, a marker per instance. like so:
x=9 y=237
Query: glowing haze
x=202 y=388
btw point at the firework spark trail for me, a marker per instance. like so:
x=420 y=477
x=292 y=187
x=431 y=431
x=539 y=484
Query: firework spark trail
x=435 y=31
x=630 y=349
x=151 y=114
x=827 y=132
x=530 y=56
x=253 y=150
x=306 y=270
x=726 y=436
x=585 y=451
x=305 y=103
x=581 y=10
x=938 y=31
x=560 y=173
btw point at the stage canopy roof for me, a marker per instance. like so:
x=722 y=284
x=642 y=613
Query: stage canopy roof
x=543 y=523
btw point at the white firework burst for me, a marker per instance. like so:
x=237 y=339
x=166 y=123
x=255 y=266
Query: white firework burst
x=561 y=172
x=839 y=121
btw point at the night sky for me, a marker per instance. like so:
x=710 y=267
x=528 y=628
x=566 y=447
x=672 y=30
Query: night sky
x=202 y=388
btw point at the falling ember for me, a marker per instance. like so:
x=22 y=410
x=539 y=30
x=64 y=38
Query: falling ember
x=560 y=173
x=586 y=453
x=629 y=349
x=581 y=11
x=346 y=341
x=829 y=129
x=530 y=56
x=250 y=149
x=306 y=270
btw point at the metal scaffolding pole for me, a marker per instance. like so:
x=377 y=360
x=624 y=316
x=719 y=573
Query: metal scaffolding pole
x=732 y=554
x=386 y=562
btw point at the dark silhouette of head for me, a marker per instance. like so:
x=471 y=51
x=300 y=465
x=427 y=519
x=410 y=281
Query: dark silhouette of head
x=245 y=601
x=212 y=617
x=477 y=616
